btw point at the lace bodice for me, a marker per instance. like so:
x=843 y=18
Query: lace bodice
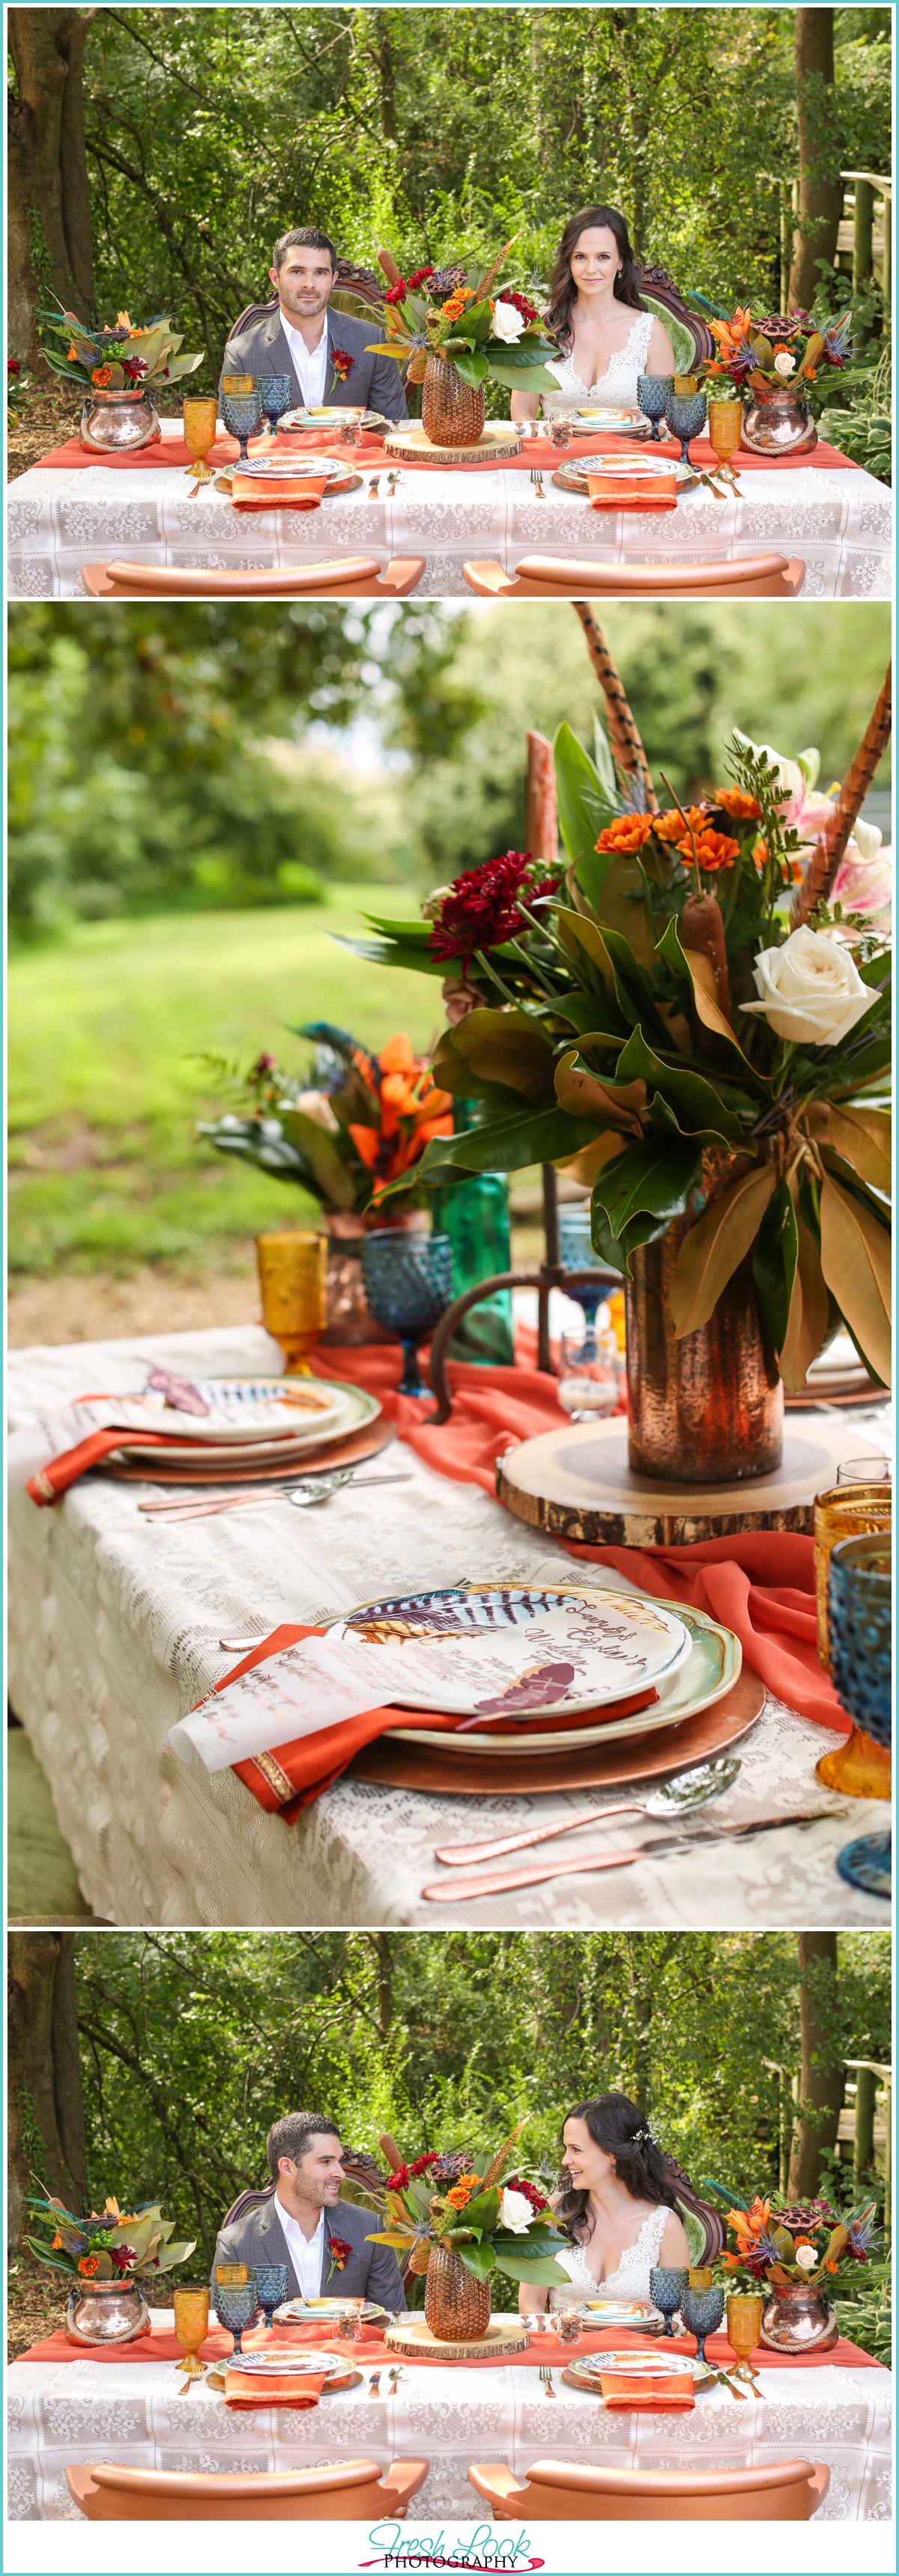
x=630 y=2279
x=616 y=387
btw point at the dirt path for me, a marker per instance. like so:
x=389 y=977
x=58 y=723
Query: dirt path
x=101 y=1307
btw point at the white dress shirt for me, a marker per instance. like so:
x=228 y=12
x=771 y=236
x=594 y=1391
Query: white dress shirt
x=311 y=365
x=306 y=2252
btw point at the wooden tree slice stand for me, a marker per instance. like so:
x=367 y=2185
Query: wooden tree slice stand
x=576 y=1483
x=499 y=440
x=521 y=1774
x=504 y=2336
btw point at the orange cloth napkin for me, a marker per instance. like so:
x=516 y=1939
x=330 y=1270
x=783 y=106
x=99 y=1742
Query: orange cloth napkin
x=279 y=492
x=626 y=491
x=277 y=2388
x=672 y=2395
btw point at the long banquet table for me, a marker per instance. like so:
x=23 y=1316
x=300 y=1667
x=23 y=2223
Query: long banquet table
x=63 y=2414
x=114 y=1634
x=831 y=514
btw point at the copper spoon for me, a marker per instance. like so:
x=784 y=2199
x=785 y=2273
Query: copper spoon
x=455 y=1891
x=708 y=1780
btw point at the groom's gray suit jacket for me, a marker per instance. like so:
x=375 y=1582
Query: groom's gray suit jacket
x=370 y=2271
x=262 y=350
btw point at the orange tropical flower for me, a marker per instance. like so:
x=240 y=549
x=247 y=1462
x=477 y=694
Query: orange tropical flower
x=57 y=2241
x=628 y=832
x=713 y=850
x=830 y=2265
x=729 y=334
x=735 y=802
x=668 y=827
x=101 y=375
x=749 y=2224
x=88 y=2264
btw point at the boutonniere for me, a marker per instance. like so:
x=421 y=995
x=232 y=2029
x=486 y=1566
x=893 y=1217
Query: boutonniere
x=339 y=2251
x=341 y=362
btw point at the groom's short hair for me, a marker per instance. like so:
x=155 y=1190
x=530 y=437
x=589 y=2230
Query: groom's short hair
x=290 y=2136
x=309 y=239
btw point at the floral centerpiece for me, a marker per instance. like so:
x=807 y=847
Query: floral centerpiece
x=784 y=349
x=120 y=368
x=455 y=2219
x=796 y=2255
x=694 y=1023
x=451 y=328
x=105 y=2258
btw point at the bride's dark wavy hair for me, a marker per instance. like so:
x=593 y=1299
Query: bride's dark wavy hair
x=562 y=289
x=616 y=2125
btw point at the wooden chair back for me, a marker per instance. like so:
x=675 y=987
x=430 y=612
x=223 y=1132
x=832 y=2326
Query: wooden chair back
x=570 y=2491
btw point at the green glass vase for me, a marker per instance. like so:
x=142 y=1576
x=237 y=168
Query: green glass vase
x=475 y=1215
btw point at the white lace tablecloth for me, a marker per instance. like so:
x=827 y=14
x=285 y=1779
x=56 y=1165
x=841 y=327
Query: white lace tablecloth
x=61 y=2414
x=839 y=522
x=114 y=1630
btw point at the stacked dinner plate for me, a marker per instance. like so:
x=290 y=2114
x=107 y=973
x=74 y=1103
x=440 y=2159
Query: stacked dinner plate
x=244 y=1430
x=536 y=1667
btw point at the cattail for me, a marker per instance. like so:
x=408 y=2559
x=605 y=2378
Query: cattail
x=387 y=262
x=825 y=859
x=541 y=827
x=623 y=735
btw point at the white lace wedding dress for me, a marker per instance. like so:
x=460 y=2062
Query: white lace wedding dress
x=630 y=2279
x=619 y=384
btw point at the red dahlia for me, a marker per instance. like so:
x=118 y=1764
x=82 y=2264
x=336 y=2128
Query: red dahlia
x=422 y=2164
x=482 y=907
x=398 y=291
x=516 y=2182
x=417 y=279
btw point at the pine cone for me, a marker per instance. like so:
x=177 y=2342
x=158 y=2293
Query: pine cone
x=420 y=2257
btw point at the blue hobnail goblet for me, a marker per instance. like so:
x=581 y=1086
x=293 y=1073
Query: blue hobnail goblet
x=236 y=2304
x=576 y=1253
x=242 y=414
x=667 y=2282
x=702 y=2311
x=271 y=2288
x=685 y=415
x=408 y=1283
x=859 y=1621
x=652 y=395
x=276 y=396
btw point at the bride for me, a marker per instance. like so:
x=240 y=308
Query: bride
x=606 y=338
x=616 y=2205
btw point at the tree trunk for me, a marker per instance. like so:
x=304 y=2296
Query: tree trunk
x=46 y=2102
x=820 y=185
x=821 y=2075
x=49 y=205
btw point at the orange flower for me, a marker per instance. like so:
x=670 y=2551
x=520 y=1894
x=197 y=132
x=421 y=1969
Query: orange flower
x=72 y=352
x=735 y=802
x=749 y=2225
x=830 y=2265
x=729 y=334
x=668 y=827
x=463 y=2190
x=57 y=2241
x=88 y=2264
x=101 y=375
x=713 y=850
x=628 y=832
x=456 y=303
x=397 y=1056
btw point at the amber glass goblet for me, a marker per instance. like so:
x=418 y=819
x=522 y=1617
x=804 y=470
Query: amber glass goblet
x=725 y=428
x=191 y=2324
x=199 y=414
x=293 y=1269
x=743 y=2312
x=844 y=1511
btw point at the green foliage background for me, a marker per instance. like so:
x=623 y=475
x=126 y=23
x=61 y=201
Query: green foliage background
x=192 y=2045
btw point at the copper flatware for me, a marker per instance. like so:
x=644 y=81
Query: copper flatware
x=374 y=2383
x=454 y=1892
x=547 y=2379
x=373 y=487
x=694 y=1789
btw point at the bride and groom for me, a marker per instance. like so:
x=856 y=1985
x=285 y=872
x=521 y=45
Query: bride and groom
x=604 y=334
x=617 y=2206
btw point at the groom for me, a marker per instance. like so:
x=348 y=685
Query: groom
x=306 y=2220
x=326 y=354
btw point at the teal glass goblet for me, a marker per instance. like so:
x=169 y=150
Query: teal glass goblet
x=271 y=2288
x=860 y=1631
x=408 y=1283
x=702 y=2311
x=236 y=2304
x=276 y=396
x=667 y=2283
x=685 y=415
x=242 y=414
x=652 y=395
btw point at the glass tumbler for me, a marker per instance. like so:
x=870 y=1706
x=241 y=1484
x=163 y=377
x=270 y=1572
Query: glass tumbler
x=861 y=1585
x=293 y=1277
x=667 y=2282
x=844 y=1511
x=408 y=1283
x=652 y=395
x=560 y=430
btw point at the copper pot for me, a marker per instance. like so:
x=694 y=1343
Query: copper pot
x=106 y=2312
x=457 y=2306
x=799 y=2319
x=116 y=419
x=707 y=1410
x=452 y=412
x=779 y=424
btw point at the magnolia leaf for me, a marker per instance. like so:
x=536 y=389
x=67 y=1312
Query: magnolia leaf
x=621 y=904
x=104 y=2267
x=504 y=1046
x=715 y=1246
x=586 y=802
x=774 y=1261
x=839 y=2236
x=616 y=1104
x=586 y=1166
x=170 y=2255
x=696 y=1101
x=636 y=1196
x=398 y=2241
x=579 y=931
x=690 y=962
x=506 y=1145
x=855 y=1259
x=807 y=1318
x=479 y=2259
x=541 y=2270
x=861 y=1136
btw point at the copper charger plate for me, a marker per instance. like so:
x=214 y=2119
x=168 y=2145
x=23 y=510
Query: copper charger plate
x=400 y=1766
x=364 y=1443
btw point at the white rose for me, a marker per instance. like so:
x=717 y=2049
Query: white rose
x=784 y=363
x=810 y=990
x=515 y=2212
x=806 y=2258
x=508 y=325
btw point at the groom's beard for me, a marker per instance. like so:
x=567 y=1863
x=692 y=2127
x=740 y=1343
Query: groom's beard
x=302 y=308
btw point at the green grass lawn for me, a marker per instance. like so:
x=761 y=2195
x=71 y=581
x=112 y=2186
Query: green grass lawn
x=105 y=1029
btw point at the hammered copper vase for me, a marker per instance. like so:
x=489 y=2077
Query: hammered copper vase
x=452 y=412
x=799 y=2319
x=106 y=2312
x=707 y=1410
x=779 y=424
x=457 y=2307
x=116 y=419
